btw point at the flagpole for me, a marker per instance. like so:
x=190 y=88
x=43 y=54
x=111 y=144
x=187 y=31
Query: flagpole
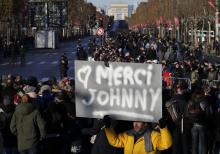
x=216 y=20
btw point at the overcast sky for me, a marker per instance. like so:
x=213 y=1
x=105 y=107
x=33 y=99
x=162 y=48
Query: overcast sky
x=107 y=3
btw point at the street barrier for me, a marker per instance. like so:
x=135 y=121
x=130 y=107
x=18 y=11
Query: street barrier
x=211 y=83
x=171 y=82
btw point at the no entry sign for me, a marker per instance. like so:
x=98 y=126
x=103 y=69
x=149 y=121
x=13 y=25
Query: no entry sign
x=100 y=31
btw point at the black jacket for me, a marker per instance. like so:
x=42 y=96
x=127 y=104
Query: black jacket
x=9 y=140
x=101 y=145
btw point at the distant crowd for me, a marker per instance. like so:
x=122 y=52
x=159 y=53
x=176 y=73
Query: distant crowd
x=14 y=50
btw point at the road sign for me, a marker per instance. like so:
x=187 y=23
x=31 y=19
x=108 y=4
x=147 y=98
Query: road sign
x=100 y=31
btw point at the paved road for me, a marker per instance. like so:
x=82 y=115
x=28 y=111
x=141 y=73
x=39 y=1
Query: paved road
x=43 y=63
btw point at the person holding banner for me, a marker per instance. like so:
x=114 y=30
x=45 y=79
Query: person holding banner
x=142 y=139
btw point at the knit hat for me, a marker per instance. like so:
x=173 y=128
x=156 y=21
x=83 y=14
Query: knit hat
x=32 y=94
x=44 y=88
x=28 y=89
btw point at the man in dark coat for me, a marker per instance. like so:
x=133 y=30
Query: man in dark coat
x=63 y=66
x=99 y=139
x=9 y=91
x=29 y=127
x=81 y=53
x=181 y=131
x=9 y=140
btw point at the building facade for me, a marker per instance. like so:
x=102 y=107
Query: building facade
x=47 y=14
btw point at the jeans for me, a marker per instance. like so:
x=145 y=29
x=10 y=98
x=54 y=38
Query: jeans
x=32 y=150
x=199 y=145
x=9 y=151
x=180 y=140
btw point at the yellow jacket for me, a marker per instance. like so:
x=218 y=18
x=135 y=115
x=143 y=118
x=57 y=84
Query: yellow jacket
x=160 y=141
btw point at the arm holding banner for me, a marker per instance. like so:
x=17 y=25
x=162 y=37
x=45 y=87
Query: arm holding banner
x=162 y=140
x=115 y=140
x=97 y=125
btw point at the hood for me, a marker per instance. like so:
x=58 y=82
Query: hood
x=25 y=108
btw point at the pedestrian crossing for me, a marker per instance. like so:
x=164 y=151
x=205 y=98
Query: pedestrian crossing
x=54 y=62
x=55 y=53
x=36 y=63
x=4 y=64
x=30 y=62
x=44 y=61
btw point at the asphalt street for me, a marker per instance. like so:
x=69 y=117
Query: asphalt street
x=43 y=62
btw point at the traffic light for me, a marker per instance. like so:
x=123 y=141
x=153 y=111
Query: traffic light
x=92 y=20
x=109 y=27
x=91 y=23
x=110 y=23
x=101 y=22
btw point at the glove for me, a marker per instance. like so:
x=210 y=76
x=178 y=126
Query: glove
x=162 y=123
x=107 y=121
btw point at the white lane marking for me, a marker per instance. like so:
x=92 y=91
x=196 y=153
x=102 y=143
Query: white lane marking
x=4 y=64
x=43 y=62
x=30 y=62
x=54 y=62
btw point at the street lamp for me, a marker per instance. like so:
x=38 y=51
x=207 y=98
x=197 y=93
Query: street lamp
x=8 y=31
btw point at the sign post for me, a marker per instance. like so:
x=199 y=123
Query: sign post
x=100 y=32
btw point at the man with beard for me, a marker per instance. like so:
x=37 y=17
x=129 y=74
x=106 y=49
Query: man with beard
x=142 y=139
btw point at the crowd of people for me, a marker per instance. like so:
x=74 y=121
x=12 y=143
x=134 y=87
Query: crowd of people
x=13 y=50
x=39 y=103
x=38 y=116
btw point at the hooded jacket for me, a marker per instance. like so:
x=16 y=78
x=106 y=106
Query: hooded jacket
x=28 y=125
x=159 y=141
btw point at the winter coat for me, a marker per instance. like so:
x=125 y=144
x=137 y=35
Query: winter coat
x=9 y=140
x=212 y=75
x=160 y=141
x=81 y=54
x=199 y=110
x=151 y=55
x=28 y=125
x=101 y=145
x=9 y=92
x=178 y=73
x=194 y=76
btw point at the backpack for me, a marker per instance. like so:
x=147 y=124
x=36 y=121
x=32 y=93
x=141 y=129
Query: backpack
x=173 y=110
